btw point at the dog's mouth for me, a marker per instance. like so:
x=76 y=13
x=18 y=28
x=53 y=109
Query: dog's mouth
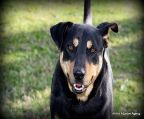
x=78 y=88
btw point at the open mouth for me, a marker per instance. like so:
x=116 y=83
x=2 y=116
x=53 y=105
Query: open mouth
x=78 y=88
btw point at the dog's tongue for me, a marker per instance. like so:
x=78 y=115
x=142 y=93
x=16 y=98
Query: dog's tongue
x=78 y=85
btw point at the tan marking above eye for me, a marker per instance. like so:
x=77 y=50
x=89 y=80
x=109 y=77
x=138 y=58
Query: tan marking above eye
x=75 y=42
x=89 y=44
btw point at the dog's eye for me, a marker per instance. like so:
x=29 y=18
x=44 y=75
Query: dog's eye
x=93 y=50
x=71 y=48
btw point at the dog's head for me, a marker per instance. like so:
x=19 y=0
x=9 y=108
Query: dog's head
x=81 y=56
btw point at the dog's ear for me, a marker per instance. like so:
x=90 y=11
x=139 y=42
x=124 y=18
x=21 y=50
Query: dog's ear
x=104 y=29
x=58 y=32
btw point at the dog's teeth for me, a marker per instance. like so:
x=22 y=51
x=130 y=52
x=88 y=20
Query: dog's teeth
x=78 y=88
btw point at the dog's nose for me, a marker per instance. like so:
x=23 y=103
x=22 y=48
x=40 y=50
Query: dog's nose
x=79 y=74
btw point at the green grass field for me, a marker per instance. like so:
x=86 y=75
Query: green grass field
x=29 y=54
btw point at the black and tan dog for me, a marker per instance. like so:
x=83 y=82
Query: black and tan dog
x=82 y=82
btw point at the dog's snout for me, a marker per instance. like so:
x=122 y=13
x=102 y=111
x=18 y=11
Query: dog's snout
x=79 y=74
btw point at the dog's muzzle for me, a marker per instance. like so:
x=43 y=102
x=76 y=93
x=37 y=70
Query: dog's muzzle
x=79 y=87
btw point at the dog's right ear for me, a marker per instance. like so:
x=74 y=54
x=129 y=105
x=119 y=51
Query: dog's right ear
x=58 y=32
x=104 y=29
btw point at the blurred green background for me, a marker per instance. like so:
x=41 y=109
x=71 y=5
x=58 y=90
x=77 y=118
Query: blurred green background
x=29 y=55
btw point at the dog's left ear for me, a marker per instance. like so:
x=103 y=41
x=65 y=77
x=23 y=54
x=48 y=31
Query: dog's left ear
x=59 y=31
x=104 y=29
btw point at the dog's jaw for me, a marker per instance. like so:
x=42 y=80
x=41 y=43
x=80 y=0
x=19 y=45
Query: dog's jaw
x=84 y=96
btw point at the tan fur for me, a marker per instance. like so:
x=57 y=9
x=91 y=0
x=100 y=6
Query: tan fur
x=106 y=37
x=84 y=96
x=67 y=67
x=89 y=44
x=75 y=42
x=91 y=71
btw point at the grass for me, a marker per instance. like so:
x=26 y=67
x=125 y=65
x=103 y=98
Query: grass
x=30 y=55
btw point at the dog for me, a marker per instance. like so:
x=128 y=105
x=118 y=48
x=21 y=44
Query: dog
x=82 y=81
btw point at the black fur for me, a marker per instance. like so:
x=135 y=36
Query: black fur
x=64 y=103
